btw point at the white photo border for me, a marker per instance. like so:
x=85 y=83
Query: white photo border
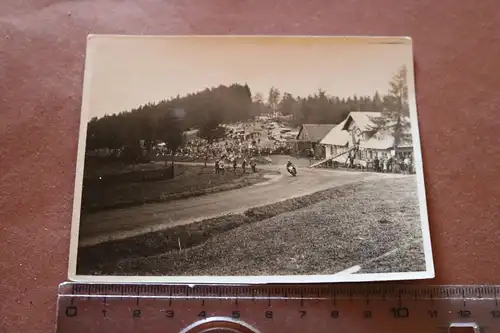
x=343 y=276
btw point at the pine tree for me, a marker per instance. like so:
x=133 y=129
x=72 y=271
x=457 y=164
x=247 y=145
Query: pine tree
x=377 y=103
x=273 y=98
x=286 y=106
x=355 y=103
x=247 y=92
x=394 y=119
x=258 y=98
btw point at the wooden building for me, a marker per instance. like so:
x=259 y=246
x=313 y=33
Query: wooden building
x=359 y=129
x=309 y=138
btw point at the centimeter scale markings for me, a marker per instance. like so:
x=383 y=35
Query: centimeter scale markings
x=246 y=309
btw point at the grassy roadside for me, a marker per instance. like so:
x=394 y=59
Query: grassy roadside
x=190 y=181
x=317 y=234
x=408 y=258
x=101 y=257
x=364 y=222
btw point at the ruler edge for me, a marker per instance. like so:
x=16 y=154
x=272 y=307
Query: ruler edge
x=416 y=291
x=458 y=292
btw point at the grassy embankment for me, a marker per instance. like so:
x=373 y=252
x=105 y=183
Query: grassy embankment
x=321 y=233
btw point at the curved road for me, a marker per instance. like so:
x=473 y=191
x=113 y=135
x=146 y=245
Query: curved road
x=128 y=222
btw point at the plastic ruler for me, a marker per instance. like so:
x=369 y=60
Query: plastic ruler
x=349 y=308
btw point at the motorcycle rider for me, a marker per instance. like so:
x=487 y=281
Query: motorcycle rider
x=289 y=165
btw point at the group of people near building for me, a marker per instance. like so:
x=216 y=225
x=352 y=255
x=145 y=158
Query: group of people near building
x=393 y=164
x=384 y=163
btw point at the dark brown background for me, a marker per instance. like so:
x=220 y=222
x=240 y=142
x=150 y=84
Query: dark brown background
x=42 y=44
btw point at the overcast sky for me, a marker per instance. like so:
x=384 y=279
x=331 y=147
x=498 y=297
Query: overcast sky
x=126 y=72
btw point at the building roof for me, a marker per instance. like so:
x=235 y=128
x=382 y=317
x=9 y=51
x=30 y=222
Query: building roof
x=315 y=132
x=337 y=135
x=363 y=119
x=378 y=142
x=383 y=142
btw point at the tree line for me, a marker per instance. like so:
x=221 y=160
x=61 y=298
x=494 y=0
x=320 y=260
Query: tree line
x=318 y=108
x=321 y=108
x=206 y=110
x=166 y=120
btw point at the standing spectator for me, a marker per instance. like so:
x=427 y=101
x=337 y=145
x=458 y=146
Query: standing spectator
x=369 y=163
x=221 y=166
x=375 y=164
x=407 y=164
x=244 y=165
x=352 y=156
x=253 y=165
x=216 y=167
x=401 y=165
x=234 y=165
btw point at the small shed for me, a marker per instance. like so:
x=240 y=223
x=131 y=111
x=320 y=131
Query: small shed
x=310 y=136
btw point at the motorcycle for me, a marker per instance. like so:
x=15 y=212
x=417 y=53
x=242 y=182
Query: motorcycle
x=291 y=169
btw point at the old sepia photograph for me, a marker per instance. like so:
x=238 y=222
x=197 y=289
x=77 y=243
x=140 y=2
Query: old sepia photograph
x=249 y=159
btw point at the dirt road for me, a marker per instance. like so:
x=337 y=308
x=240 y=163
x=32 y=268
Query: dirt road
x=123 y=223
